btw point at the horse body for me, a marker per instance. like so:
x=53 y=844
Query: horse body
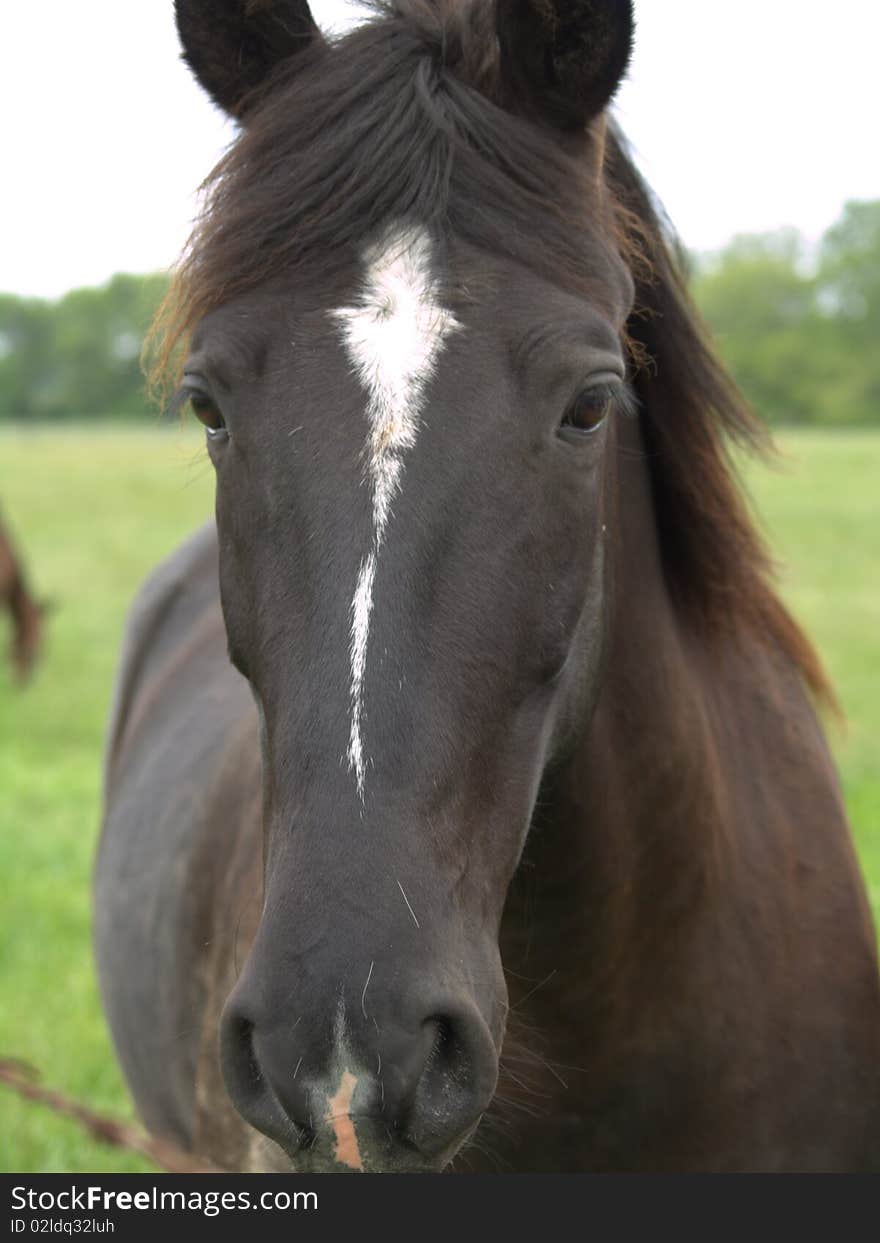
x=516 y=690
x=187 y=822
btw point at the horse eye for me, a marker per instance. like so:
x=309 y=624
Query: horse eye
x=207 y=413
x=588 y=411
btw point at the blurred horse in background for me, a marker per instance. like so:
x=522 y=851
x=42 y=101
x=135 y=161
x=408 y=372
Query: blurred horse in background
x=25 y=612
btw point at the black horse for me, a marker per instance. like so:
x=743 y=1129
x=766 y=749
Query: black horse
x=512 y=759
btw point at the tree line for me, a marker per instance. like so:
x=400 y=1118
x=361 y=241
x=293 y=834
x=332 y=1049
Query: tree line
x=79 y=356
x=799 y=328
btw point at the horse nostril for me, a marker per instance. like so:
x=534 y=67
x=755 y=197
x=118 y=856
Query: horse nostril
x=447 y=1054
x=238 y=1053
x=249 y=1088
x=239 y=1061
x=457 y=1082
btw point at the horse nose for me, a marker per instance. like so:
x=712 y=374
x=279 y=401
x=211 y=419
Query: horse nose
x=386 y=1099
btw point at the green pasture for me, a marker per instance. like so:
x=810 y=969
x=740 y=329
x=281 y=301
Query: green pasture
x=94 y=509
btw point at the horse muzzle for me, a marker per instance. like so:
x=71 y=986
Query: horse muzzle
x=371 y=1097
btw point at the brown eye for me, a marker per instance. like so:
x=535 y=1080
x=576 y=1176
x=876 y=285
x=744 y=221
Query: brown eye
x=206 y=412
x=588 y=411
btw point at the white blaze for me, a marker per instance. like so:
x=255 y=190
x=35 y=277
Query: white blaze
x=393 y=338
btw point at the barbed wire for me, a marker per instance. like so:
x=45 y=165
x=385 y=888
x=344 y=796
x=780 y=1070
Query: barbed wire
x=24 y=1080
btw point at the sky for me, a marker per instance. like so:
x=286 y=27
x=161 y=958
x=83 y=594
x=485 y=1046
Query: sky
x=745 y=117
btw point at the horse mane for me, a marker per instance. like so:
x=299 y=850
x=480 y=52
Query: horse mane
x=717 y=565
x=415 y=133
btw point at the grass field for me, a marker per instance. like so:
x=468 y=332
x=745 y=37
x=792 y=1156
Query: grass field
x=95 y=510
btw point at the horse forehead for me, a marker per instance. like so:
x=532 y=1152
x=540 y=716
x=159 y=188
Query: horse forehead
x=398 y=319
x=393 y=334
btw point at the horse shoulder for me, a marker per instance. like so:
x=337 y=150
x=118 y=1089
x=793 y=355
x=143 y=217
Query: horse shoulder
x=181 y=819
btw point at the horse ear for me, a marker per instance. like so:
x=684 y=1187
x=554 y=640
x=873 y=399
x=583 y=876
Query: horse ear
x=232 y=46
x=563 y=59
